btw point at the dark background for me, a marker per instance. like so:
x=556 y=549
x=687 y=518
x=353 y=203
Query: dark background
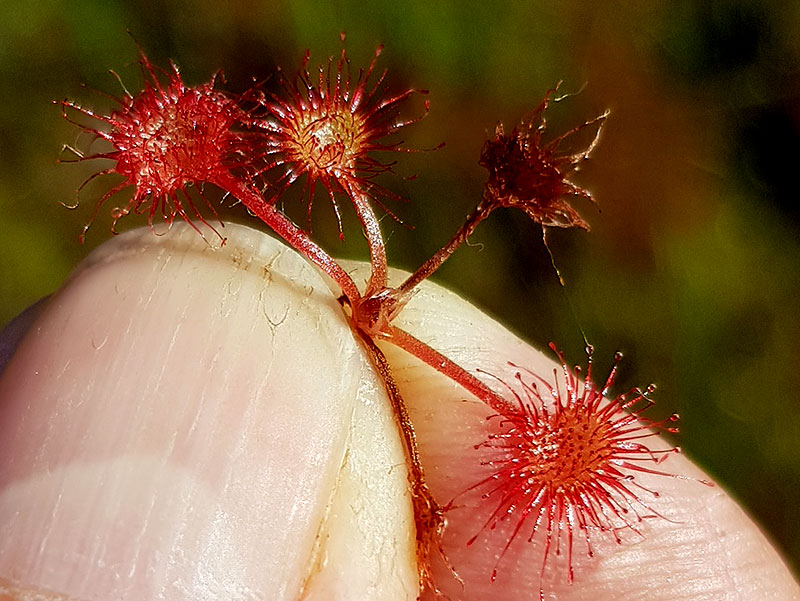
x=691 y=267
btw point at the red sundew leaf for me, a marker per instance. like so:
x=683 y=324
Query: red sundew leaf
x=531 y=176
x=327 y=129
x=163 y=140
x=563 y=462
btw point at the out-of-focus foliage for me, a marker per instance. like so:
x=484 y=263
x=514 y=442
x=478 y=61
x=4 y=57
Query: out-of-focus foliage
x=692 y=267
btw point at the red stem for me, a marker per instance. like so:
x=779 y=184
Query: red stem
x=447 y=367
x=287 y=230
x=437 y=260
x=372 y=231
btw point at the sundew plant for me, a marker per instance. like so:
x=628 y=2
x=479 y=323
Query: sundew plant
x=562 y=452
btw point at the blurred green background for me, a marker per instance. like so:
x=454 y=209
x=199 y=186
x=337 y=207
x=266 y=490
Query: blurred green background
x=692 y=264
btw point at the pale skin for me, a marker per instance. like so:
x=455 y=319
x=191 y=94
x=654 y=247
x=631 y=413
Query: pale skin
x=187 y=423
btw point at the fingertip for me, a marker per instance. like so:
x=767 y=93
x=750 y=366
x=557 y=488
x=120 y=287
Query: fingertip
x=180 y=424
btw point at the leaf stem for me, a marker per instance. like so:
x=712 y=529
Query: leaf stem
x=293 y=235
x=427 y=269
